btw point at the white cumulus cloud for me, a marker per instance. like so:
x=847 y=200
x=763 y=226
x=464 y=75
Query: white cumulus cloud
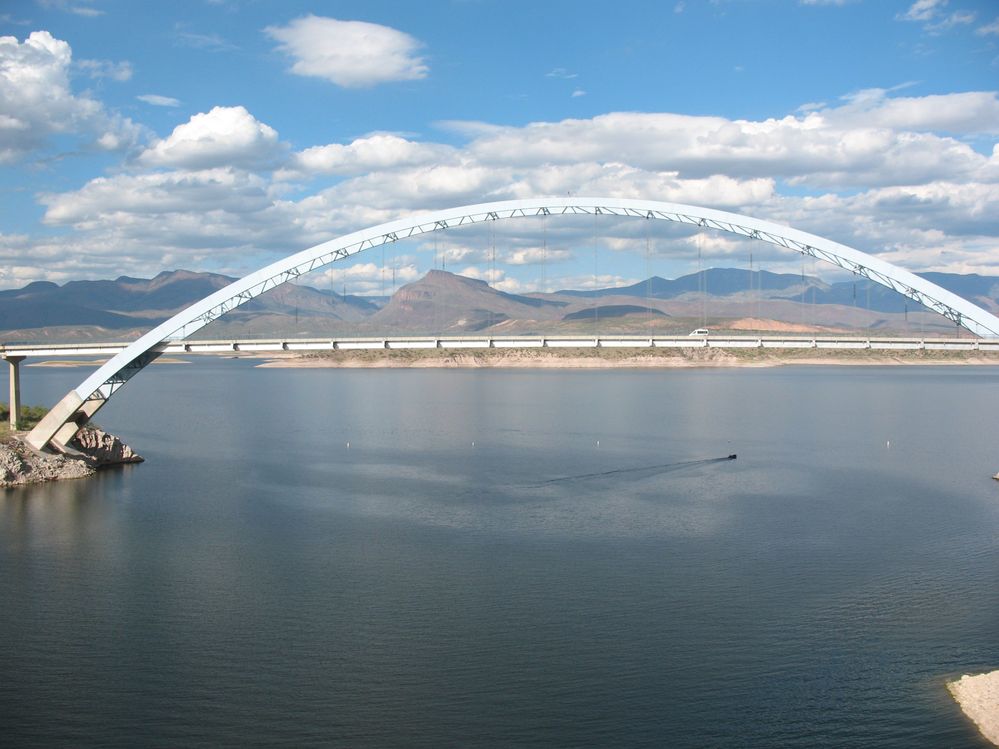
x=352 y=54
x=225 y=136
x=871 y=139
x=971 y=112
x=536 y=256
x=37 y=101
x=372 y=152
x=109 y=200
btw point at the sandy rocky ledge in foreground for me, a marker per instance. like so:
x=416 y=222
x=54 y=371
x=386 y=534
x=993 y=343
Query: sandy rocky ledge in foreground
x=20 y=464
x=978 y=696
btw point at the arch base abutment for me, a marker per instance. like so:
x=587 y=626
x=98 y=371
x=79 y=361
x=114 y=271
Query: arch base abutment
x=60 y=424
x=64 y=421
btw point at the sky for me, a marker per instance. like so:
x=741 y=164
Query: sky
x=221 y=135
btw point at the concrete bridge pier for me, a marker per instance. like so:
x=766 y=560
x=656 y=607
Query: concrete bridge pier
x=15 y=390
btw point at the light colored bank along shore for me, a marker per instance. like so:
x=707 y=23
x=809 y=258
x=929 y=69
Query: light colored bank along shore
x=597 y=358
x=978 y=696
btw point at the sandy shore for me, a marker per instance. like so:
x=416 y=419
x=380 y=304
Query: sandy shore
x=978 y=696
x=574 y=358
x=618 y=358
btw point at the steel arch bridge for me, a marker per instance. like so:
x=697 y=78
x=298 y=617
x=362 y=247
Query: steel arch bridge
x=79 y=405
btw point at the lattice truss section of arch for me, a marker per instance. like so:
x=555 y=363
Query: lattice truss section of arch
x=427 y=227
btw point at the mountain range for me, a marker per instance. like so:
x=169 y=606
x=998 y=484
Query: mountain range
x=442 y=302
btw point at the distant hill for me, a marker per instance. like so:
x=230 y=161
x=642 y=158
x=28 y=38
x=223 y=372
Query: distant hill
x=442 y=301
x=723 y=282
x=609 y=311
x=982 y=290
x=717 y=281
x=721 y=298
x=130 y=304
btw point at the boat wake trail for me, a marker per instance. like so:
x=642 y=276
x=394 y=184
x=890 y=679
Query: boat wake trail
x=651 y=470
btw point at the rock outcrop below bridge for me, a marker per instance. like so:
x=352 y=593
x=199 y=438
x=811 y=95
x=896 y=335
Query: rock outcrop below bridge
x=93 y=449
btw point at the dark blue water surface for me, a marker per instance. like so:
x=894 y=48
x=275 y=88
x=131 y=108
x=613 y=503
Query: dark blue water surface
x=461 y=575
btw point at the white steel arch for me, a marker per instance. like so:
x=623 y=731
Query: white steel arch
x=80 y=404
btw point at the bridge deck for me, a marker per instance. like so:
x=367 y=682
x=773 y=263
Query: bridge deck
x=527 y=341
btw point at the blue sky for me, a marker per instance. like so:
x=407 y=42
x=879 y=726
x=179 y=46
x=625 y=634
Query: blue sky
x=138 y=137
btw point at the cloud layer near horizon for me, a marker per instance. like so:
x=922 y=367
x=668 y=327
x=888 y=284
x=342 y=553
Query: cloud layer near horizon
x=904 y=177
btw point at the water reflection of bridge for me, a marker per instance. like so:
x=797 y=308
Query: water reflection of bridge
x=14 y=354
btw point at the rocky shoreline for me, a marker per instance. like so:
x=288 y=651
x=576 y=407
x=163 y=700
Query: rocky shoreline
x=20 y=464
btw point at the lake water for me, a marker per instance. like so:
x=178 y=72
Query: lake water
x=510 y=558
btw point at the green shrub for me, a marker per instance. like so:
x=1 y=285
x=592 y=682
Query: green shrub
x=30 y=415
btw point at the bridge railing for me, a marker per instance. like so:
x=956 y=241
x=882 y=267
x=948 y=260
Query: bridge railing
x=253 y=345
